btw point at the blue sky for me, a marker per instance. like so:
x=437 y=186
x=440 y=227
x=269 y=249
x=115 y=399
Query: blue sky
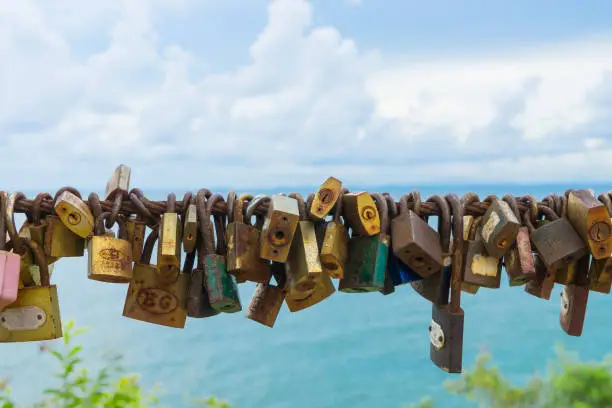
x=288 y=92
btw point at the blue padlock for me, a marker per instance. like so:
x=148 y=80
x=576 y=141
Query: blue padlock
x=399 y=272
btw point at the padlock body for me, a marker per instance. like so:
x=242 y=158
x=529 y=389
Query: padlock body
x=366 y=266
x=150 y=300
x=325 y=198
x=109 y=259
x=60 y=242
x=222 y=290
x=169 y=247
x=557 y=243
x=265 y=304
x=469 y=288
x=303 y=266
x=243 y=260
x=591 y=219
x=429 y=287
x=75 y=214
x=574 y=299
x=334 y=249
x=499 y=228
x=398 y=272
x=446 y=338
x=9 y=277
x=197 y=303
x=36 y=233
x=544 y=281
x=279 y=228
x=600 y=275
x=323 y=289
x=416 y=244
x=361 y=214
x=519 y=261
x=34 y=316
x=119 y=182
x=480 y=268
x=135 y=236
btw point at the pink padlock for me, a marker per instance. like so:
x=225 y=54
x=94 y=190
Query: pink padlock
x=9 y=261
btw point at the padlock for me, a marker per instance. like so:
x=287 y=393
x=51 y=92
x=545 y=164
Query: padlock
x=303 y=266
x=446 y=328
x=323 y=289
x=325 y=198
x=35 y=315
x=574 y=298
x=468 y=221
x=414 y=242
x=118 y=183
x=60 y=242
x=361 y=214
x=190 y=227
x=35 y=228
x=600 y=275
x=169 y=247
x=518 y=261
x=9 y=261
x=591 y=220
x=109 y=258
x=222 y=290
x=367 y=260
x=557 y=242
x=499 y=227
x=544 y=281
x=74 y=213
x=243 y=244
x=279 y=228
x=480 y=268
x=152 y=299
x=334 y=246
x=268 y=299
x=429 y=287
x=135 y=229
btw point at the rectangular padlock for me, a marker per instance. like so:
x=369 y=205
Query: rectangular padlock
x=499 y=228
x=303 y=266
x=60 y=242
x=519 y=261
x=279 y=228
x=557 y=243
x=323 y=289
x=591 y=219
x=480 y=268
x=361 y=214
x=544 y=282
x=325 y=198
x=600 y=275
x=574 y=299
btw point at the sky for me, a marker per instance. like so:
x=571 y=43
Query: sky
x=247 y=94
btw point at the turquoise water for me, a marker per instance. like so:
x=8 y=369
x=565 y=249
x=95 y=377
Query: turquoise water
x=352 y=350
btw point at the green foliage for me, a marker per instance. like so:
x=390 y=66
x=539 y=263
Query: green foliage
x=110 y=387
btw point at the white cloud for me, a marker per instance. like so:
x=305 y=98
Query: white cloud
x=84 y=93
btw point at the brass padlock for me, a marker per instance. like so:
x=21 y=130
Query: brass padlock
x=154 y=300
x=480 y=268
x=60 y=242
x=600 y=275
x=591 y=220
x=222 y=290
x=544 y=281
x=361 y=214
x=109 y=258
x=323 y=289
x=334 y=246
x=35 y=315
x=325 y=198
x=169 y=247
x=429 y=287
x=368 y=255
x=468 y=221
x=190 y=227
x=74 y=213
x=574 y=298
x=499 y=227
x=414 y=242
x=243 y=244
x=446 y=328
x=35 y=228
x=279 y=228
x=268 y=299
x=119 y=182
x=135 y=229
x=557 y=242
x=303 y=266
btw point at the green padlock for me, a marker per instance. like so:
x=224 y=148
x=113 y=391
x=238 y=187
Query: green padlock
x=220 y=285
x=367 y=260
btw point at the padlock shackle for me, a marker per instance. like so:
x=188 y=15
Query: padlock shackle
x=9 y=217
x=36 y=207
x=527 y=222
x=339 y=206
x=534 y=212
x=383 y=211
x=239 y=207
x=187 y=199
x=96 y=209
x=444 y=222
x=391 y=206
x=147 y=249
x=548 y=212
x=99 y=225
x=114 y=213
x=41 y=261
x=474 y=227
x=64 y=189
x=231 y=199
x=253 y=204
x=458 y=242
x=301 y=205
x=605 y=199
x=206 y=231
x=143 y=212
x=219 y=222
x=511 y=201
x=171 y=203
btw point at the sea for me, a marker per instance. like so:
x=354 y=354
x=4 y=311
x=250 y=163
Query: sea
x=351 y=350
